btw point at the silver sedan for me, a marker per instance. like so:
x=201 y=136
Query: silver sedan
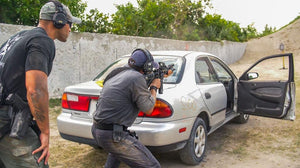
x=200 y=96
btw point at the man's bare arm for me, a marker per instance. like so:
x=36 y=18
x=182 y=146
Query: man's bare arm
x=38 y=100
x=156 y=83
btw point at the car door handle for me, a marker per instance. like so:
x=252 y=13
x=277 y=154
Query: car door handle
x=207 y=95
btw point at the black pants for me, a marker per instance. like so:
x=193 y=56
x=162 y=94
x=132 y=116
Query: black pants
x=129 y=150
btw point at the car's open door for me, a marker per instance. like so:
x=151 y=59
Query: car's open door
x=267 y=88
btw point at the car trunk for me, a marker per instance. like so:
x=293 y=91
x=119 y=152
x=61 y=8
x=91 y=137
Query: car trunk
x=80 y=100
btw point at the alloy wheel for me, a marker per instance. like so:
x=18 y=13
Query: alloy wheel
x=199 y=141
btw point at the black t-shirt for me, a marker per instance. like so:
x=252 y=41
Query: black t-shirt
x=27 y=50
x=122 y=97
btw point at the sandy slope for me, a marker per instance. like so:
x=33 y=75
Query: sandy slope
x=269 y=45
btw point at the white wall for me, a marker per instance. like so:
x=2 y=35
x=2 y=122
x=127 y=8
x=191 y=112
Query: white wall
x=84 y=55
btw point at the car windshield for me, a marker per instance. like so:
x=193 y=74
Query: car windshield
x=168 y=60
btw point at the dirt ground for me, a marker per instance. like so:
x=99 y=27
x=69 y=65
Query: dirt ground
x=260 y=143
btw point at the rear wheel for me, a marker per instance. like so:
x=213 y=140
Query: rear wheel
x=96 y=146
x=194 y=150
x=242 y=118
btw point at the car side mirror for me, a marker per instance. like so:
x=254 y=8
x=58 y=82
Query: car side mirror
x=252 y=75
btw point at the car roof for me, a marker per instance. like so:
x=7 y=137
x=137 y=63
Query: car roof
x=171 y=53
x=179 y=53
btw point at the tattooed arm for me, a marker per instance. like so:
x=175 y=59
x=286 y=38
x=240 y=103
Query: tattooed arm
x=38 y=100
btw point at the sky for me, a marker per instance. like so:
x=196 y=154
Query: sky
x=275 y=13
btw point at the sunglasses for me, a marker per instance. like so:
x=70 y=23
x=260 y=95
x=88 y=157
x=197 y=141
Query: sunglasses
x=70 y=24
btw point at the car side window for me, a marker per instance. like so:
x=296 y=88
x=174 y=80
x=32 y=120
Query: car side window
x=275 y=69
x=203 y=73
x=223 y=75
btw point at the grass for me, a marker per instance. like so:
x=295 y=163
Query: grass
x=297 y=143
x=54 y=102
x=240 y=151
x=55 y=107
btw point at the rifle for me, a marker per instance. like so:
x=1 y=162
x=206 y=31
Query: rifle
x=159 y=73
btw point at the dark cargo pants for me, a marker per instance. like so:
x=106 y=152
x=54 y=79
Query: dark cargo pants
x=15 y=153
x=129 y=150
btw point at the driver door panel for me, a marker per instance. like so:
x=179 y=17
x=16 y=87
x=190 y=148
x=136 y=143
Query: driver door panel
x=267 y=88
x=262 y=98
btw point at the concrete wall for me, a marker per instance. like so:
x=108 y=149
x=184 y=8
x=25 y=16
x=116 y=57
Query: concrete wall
x=84 y=55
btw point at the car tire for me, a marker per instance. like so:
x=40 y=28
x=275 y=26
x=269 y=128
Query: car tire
x=242 y=118
x=194 y=151
x=96 y=147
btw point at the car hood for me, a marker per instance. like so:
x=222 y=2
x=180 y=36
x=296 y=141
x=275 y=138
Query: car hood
x=86 y=88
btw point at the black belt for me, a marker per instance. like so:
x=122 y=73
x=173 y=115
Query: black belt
x=108 y=127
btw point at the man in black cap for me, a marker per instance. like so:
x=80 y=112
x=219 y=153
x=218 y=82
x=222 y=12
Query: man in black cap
x=26 y=62
x=123 y=96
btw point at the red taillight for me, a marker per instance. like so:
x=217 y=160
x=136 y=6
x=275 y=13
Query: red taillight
x=161 y=110
x=141 y=114
x=76 y=102
x=64 y=101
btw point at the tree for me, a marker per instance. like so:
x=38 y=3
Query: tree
x=268 y=30
x=26 y=12
x=248 y=32
x=95 y=22
x=159 y=18
x=173 y=19
x=152 y=18
x=216 y=28
x=188 y=17
x=126 y=21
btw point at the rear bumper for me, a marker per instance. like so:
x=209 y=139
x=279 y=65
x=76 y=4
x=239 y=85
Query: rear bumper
x=164 y=133
x=160 y=149
x=73 y=126
x=80 y=140
x=151 y=134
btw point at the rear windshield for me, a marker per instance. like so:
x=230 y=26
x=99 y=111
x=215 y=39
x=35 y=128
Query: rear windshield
x=168 y=60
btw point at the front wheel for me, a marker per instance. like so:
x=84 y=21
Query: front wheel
x=194 y=150
x=241 y=119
